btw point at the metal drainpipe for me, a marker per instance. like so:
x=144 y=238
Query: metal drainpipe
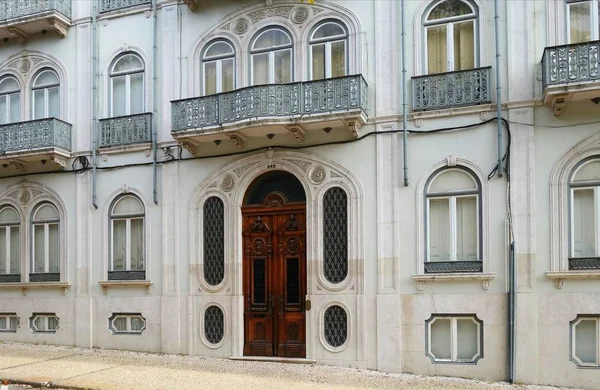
x=94 y=105
x=404 y=106
x=154 y=104
x=512 y=315
x=498 y=87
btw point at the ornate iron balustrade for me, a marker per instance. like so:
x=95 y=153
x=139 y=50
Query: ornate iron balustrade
x=451 y=89
x=584 y=263
x=42 y=278
x=267 y=101
x=11 y=9
x=10 y=278
x=437 y=267
x=112 y=5
x=37 y=134
x=126 y=130
x=126 y=275
x=569 y=64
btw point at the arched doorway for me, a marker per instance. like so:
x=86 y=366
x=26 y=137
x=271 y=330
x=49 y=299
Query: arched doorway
x=274 y=266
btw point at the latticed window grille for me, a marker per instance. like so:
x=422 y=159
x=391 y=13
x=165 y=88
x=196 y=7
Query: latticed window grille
x=214 y=325
x=214 y=242
x=335 y=235
x=336 y=326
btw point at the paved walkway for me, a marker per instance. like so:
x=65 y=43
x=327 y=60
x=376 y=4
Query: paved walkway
x=100 y=369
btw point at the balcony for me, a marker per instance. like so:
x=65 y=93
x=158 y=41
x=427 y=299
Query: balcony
x=571 y=73
x=295 y=108
x=21 y=18
x=452 y=89
x=126 y=130
x=28 y=146
x=114 y=5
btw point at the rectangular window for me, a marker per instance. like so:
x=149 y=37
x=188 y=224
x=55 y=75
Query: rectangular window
x=585 y=341
x=583 y=21
x=44 y=323
x=9 y=322
x=260 y=69
x=283 y=66
x=437 y=49
x=127 y=323
x=10 y=259
x=584 y=223
x=454 y=338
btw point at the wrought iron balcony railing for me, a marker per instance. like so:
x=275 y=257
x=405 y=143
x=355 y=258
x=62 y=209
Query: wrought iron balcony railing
x=271 y=101
x=11 y=9
x=568 y=64
x=584 y=263
x=451 y=89
x=36 y=134
x=434 y=267
x=126 y=130
x=112 y=5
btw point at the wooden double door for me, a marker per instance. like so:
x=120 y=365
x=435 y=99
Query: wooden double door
x=274 y=268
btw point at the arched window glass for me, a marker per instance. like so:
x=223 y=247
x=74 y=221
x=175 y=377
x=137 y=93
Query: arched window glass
x=453 y=230
x=214 y=240
x=127 y=85
x=271 y=53
x=10 y=100
x=585 y=224
x=583 y=20
x=218 y=68
x=335 y=235
x=127 y=216
x=451 y=36
x=10 y=243
x=328 y=51
x=46 y=95
x=45 y=243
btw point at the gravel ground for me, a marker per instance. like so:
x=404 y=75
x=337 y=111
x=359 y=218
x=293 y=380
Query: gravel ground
x=104 y=369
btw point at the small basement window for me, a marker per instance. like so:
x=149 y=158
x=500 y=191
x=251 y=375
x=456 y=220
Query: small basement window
x=585 y=341
x=9 y=322
x=44 y=323
x=127 y=323
x=454 y=338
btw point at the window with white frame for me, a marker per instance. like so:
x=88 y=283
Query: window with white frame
x=328 y=51
x=218 y=68
x=127 y=85
x=46 y=95
x=453 y=222
x=44 y=323
x=45 y=237
x=127 y=216
x=451 y=36
x=583 y=20
x=454 y=338
x=10 y=241
x=127 y=323
x=10 y=100
x=585 y=341
x=9 y=322
x=271 y=57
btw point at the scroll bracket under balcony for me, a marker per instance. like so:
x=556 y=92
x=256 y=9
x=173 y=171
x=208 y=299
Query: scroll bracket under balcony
x=59 y=161
x=353 y=128
x=191 y=4
x=297 y=132
x=19 y=165
x=237 y=139
x=18 y=34
x=58 y=26
x=190 y=146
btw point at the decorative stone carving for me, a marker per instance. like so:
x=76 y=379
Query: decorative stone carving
x=300 y=15
x=25 y=197
x=283 y=12
x=484 y=115
x=297 y=132
x=35 y=193
x=486 y=284
x=318 y=175
x=226 y=26
x=227 y=183
x=302 y=164
x=24 y=65
x=13 y=194
x=559 y=283
x=418 y=122
x=240 y=171
x=420 y=285
x=241 y=26
x=317 y=10
x=213 y=185
x=334 y=174
x=451 y=161
x=125 y=189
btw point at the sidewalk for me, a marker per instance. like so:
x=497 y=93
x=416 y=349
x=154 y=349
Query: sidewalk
x=100 y=369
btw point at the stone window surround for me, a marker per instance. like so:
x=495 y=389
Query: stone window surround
x=46 y=316
x=349 y=331
x=453 y=318
x=128 y=317
x=225 y=327
x=572 y=336
x=7 y=317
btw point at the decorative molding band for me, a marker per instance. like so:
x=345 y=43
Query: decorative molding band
x=559 y=277
x=457 y=277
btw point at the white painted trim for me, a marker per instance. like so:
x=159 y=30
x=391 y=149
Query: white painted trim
x=349 y=327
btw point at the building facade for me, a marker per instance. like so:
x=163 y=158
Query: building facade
x=326 y=181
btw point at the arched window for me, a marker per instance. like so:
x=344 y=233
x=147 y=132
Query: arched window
x=583 y=20
x=451 y=36
x=214 y=240
x=46 y=95
x=335 y=235
x=10 y=100
x=271 y=53
x=218 y=68
x=10 y=242
x=328 y=51
x=127 y=85
x=127 y=216
x=453 y=215
x=45 y=244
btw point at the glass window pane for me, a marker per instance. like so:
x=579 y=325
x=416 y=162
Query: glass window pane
x=128 y=205
x=283 y=67
x=47 y=77
x=128 y=62
x=14 y=323
x=584 y=224
x=137 y=244
x=8 y=84
x=3 y=232
x=338 y=59
x=119 y=242
x=210 y=78
x=53 y=102
x=452 y=180
x=441 y=339
x=586 y=342
x=260 y=69
x=467 y=339
x=136 y=324
x=120 y=324
x=137 y=93
x=40 y=323
x=4 y=110
x=15 y=250
x=119 y=98
x=8 y=214
x=53 y=248
x=15 y=107
x=328 y=30
x=271 y=39
x=318 y=61
x=466 y=229
x=218 y=49
x=464 y=45
x=227 y=75
x=439 y=230
x=437 y=49
x=39 y=103
x=39 y=243
x=450 y=8
x=3 y=323
x=589 y=171
x=46 y=212
x=52 y=323
x=580 y=22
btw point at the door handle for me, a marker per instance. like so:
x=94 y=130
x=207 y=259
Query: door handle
x=308 y=305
